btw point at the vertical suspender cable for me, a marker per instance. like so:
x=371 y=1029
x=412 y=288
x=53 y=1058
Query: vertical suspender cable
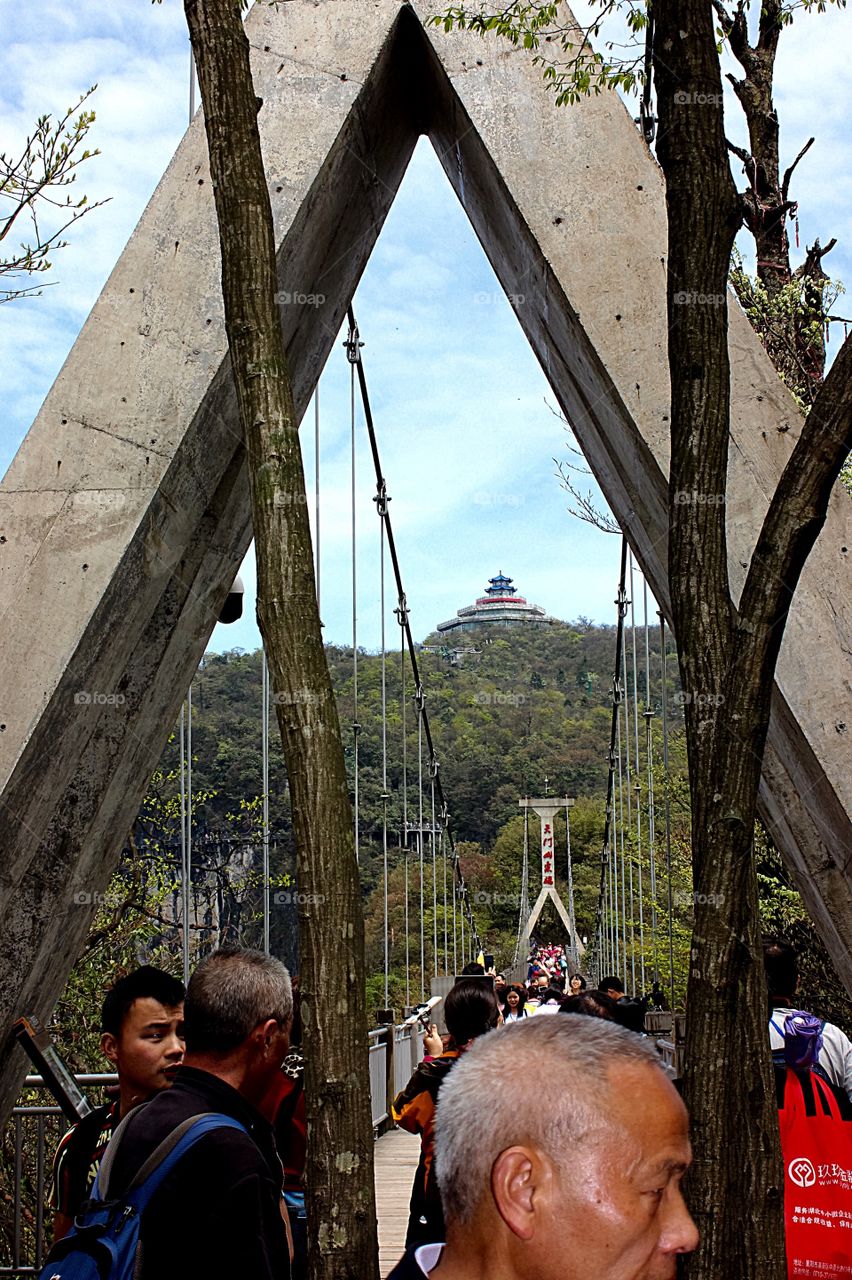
x=649 y=760
x=353 y=345
x=575 y=949
x=462 y=905
x=184 y=861
x=455 y=922
x=667 y=793
x=419 y=699
x=623 y=870
x=444 y=865
x=381 y=506
x=628 y=807
x=264 y=741
x=637 y=785
x=400 y=613
x=434 y=773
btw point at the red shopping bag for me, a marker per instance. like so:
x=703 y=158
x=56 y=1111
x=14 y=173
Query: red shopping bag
x=816 y=1143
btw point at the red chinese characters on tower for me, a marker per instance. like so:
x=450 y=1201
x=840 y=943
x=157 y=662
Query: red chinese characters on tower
x=547 y=854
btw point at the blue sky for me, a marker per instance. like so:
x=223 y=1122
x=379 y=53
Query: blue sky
x=462 y=409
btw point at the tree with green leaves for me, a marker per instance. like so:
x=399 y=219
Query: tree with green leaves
x=38 y=199
x=727 y=647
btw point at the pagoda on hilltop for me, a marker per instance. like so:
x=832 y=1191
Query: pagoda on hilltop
x=500 y=606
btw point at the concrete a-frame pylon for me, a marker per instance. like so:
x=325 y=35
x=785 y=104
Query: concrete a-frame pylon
x=125 y=514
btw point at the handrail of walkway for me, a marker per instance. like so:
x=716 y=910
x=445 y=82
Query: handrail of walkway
x=28 y=1144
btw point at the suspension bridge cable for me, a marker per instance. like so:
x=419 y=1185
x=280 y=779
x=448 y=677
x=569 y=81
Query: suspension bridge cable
x=380 y=500
x=628 y=824
x=353 y=346
x=637 y=786
x=667 y=810
x=444 y=866
x=400 y=614
x=609 y=847
x=649 y=759
x=433 y=775
x=184 y=861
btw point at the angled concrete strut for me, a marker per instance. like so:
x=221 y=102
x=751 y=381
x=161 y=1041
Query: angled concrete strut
x=125 y=514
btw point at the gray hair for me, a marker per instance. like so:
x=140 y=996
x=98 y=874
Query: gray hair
x=229 y=994
x=479 y=1112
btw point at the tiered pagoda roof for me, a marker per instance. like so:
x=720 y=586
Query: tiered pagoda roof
x=501 y=605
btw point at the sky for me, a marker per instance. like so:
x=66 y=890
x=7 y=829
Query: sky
x=465 y=418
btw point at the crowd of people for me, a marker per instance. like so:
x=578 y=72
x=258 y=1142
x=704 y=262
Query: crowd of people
x=499 y=1188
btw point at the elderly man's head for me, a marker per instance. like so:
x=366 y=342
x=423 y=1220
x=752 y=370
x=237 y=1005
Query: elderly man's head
x=237 y=1018
x=572 y=1189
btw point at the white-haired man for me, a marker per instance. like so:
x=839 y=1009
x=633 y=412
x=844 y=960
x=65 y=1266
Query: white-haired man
x=587 y=1188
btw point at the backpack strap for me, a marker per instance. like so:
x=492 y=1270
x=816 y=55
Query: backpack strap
x=163 y=1159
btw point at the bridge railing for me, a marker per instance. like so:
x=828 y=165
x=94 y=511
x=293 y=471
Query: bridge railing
x=37 y=1124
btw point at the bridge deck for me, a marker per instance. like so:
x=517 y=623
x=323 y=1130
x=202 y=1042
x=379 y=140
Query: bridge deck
x=396 y=1157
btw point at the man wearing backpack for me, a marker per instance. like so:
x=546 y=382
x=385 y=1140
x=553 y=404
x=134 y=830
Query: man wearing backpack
x=216 y=1212
x=142 y=1036
x=782 y=980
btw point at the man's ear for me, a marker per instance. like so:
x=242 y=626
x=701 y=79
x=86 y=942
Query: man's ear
x=518 y=1180
x=267 y=1033
x=109 y=1047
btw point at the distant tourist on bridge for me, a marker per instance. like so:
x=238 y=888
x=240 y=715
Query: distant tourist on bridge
x=612 y=987
x=586 y=1188
x=514 y=1006
x=576 y=984
x=782 y=979
x=470 y=1010
x=142 y=1037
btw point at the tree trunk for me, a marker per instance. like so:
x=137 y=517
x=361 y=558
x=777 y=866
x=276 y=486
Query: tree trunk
x=734 y=1185
x=339 y=1171
x=727 y=660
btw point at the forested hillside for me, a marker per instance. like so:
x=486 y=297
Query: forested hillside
x=514 y=712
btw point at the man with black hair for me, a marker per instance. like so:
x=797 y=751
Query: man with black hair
x=782 y=979
x=470 y=1010
x=142 y=1036
x=612 y=987
x=218 y=1213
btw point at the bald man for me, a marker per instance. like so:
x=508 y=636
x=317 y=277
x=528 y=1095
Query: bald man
x=576 y=1190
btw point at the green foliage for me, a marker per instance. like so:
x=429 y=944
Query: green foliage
x=34 y=187
x=540 y=29
x=792 y=317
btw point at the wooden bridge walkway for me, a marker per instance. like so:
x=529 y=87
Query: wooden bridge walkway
x=396 y=1155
